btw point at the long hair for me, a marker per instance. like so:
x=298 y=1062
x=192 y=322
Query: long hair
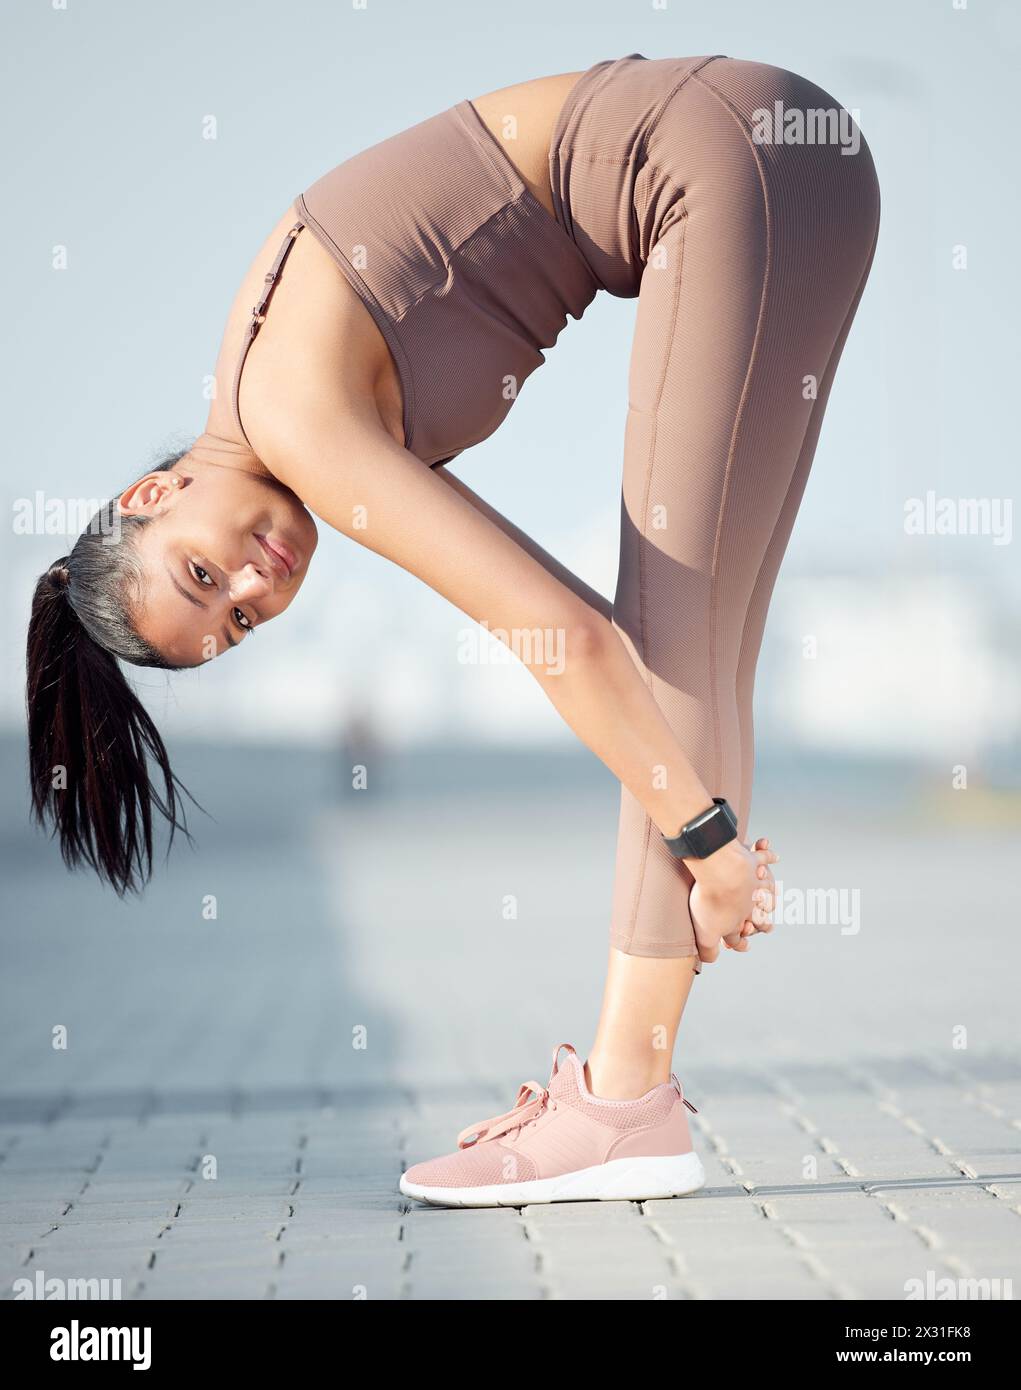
x=91 y=740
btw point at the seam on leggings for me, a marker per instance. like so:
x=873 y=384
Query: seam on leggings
x=852 y=309
x=657 y=115
x=735 y=433
x=637 y=155
x=643 y=541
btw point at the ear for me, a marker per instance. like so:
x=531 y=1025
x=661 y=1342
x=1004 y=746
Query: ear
x=151 y=495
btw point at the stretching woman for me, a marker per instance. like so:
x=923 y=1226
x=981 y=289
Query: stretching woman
x=413 y=290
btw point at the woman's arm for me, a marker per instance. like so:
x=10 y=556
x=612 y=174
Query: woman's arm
x=549 y=563
x=364 y=484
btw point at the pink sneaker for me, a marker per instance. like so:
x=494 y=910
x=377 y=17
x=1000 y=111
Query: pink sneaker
x=562 y=1144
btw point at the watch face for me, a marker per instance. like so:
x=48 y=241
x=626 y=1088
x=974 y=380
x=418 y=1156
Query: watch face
x=706 y=834
x=718 y=831
x=697 y=840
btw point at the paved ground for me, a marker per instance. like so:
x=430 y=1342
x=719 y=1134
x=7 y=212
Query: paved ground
x=831 y=1182
x=238 y=1094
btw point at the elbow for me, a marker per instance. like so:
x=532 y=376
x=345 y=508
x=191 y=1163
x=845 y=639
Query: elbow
x=585 y=640
x=574 y=646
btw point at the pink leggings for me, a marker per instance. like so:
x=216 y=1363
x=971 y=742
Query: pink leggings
x=749 y=248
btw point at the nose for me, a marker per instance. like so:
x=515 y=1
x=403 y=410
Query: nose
x=248 y=584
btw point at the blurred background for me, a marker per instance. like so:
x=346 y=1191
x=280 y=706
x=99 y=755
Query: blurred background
x=453 y=914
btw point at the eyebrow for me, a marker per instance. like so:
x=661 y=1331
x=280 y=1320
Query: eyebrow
x=228 y=638
x=192 y=598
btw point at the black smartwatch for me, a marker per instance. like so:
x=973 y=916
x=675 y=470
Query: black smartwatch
x=706 y=833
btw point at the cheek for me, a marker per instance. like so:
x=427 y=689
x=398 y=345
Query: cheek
x=225 y=512
x=299 y=520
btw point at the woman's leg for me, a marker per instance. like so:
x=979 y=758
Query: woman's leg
x=758 y=254
x=642 y=1006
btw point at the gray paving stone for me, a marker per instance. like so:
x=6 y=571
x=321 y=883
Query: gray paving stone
x=213 y=1190
x=250 y=1257
x=32 y=1187
x=100 y=1235
x=339 y=1286
x=375 y=1203
x=701 y=1211
x=484 y=1291
x=570 y=1214
x=177 y=1239
x=517 y=1266
x=206 y=1287
x=420 y=1236
x=126 y=1265
x=133 y=1189
x=1002 y=1162
x=638 y=1287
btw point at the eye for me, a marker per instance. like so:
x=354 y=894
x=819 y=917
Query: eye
x=203 y=576
x=241 y=619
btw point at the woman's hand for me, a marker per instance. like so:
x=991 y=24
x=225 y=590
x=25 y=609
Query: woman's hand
x=733 y=897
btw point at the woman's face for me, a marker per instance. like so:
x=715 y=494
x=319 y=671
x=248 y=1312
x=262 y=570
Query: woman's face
x=227 y=552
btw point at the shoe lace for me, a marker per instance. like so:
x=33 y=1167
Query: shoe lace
x=523 y=1112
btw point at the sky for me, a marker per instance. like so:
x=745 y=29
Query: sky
x=105 y=358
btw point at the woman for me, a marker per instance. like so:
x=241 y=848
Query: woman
x=399 y=305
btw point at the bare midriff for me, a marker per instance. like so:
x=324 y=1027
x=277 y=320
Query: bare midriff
x=317 y=314
x=522 y=118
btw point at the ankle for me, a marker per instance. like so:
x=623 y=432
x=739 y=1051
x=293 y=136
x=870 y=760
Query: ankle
x=622 y=1078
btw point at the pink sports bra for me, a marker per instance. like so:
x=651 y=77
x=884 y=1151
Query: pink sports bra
x=464 y=271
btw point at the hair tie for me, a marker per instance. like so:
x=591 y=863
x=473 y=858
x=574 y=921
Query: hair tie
x=59 y=572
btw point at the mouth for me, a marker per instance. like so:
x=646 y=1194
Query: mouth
x=281 y=557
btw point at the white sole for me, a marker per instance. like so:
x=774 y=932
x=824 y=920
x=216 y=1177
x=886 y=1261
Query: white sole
x=620 y=1180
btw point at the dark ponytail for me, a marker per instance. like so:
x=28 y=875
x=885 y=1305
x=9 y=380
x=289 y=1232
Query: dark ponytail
x=90 y=738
